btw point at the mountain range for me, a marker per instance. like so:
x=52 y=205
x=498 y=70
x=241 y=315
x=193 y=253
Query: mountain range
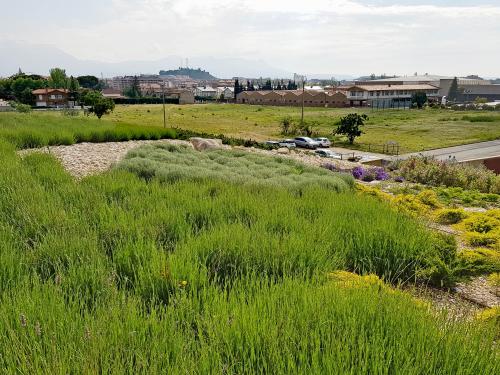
x=40 y=58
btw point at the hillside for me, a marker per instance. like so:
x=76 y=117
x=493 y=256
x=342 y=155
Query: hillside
x=192 y=73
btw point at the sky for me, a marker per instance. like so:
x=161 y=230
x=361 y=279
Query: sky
x=448 y=37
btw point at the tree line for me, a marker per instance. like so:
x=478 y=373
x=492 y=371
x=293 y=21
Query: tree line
x=85 y=90
x=261 y=85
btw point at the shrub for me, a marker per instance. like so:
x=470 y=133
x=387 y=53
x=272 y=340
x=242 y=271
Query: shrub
x=429 y=198
x=478 y=261
x=23 y=108
x=429 y=171
x=494 y=279
x=381 y=174
x=358 y=173
x=450 y=216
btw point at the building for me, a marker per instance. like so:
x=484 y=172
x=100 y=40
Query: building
x=386 y=96
x=112 y=94
x=52 y=98
x=205 y=92
x=471 y=87
x=293 y=98
x=5 y=106
x=226 y=93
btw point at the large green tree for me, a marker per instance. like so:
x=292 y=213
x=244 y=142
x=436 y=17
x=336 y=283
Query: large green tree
x=98 y=104
x=350 y=126
x=58 y=79
x=89 y=82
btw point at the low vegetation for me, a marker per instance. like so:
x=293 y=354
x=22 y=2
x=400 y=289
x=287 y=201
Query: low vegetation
x=38 y=130
x=169 y=163
x=127 y=273
x=427 y=170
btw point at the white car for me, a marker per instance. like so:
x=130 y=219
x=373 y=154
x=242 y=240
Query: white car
x=324 y=142
x=306 y=142
x=327 y=154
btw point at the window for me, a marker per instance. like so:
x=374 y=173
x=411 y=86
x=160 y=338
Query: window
x=59 y=96
x=52 y=97
x=40 y=97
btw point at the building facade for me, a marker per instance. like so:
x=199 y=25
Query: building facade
x=387 y=96
x=293 y=98
x=52 y=98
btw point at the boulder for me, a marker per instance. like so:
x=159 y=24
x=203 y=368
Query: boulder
x=283 y=150
x=202 y=144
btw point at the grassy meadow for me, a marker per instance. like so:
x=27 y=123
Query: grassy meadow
x=147 y=270
x=414 y=130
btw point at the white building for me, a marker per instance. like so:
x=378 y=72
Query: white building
x=225 y=93
x=205 y=92
x=5 y=106
x=387 y=96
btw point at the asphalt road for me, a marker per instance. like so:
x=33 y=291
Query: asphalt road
x=473 y=151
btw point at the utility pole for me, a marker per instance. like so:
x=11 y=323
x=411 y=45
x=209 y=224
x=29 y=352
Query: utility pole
x=303 y=98
x=164 y=112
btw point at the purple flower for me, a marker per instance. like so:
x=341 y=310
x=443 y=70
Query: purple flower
x=381 y=174
x=358 y=173
x=330 y=167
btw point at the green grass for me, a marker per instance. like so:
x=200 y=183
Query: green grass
x=46 y=129
x=414 y=130
x=205 y=273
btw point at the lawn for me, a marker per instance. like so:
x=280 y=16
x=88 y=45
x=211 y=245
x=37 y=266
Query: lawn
x=133 y=272
x=414 y=130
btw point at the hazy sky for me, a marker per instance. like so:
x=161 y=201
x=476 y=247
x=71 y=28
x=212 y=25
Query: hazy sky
x=315 y=36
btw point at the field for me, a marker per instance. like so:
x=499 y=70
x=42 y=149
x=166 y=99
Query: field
x=147 y=270
x=413 y=130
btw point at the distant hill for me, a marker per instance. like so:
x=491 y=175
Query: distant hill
x=192 y=73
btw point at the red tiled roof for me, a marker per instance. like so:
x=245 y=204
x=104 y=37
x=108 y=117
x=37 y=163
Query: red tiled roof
x=48 y=91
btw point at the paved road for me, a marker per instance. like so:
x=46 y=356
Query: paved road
x=473 y=151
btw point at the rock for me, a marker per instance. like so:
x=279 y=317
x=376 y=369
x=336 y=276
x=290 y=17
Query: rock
x=283 y=151
x=202 y=144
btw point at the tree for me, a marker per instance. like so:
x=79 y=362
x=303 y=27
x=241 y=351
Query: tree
x=286 y=123
x=58 y=79
x=350 y=126
x=98 y=104
x=419 y=98
x=103 y=106
x=453 y=93
x=133 y=91
x=237 y=88
x=268 y=85
x=89 y=82
x=73 y=89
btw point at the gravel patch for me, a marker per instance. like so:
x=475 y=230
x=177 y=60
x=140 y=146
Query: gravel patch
x=84 y=159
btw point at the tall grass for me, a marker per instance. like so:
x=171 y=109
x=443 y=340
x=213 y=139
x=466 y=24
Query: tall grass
x=115 y=274
x=38 y=130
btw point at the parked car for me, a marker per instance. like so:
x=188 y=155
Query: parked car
x=327 y=154
x=288 y=143
x=306 y=142
x=273 y=144
x=324 y=142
